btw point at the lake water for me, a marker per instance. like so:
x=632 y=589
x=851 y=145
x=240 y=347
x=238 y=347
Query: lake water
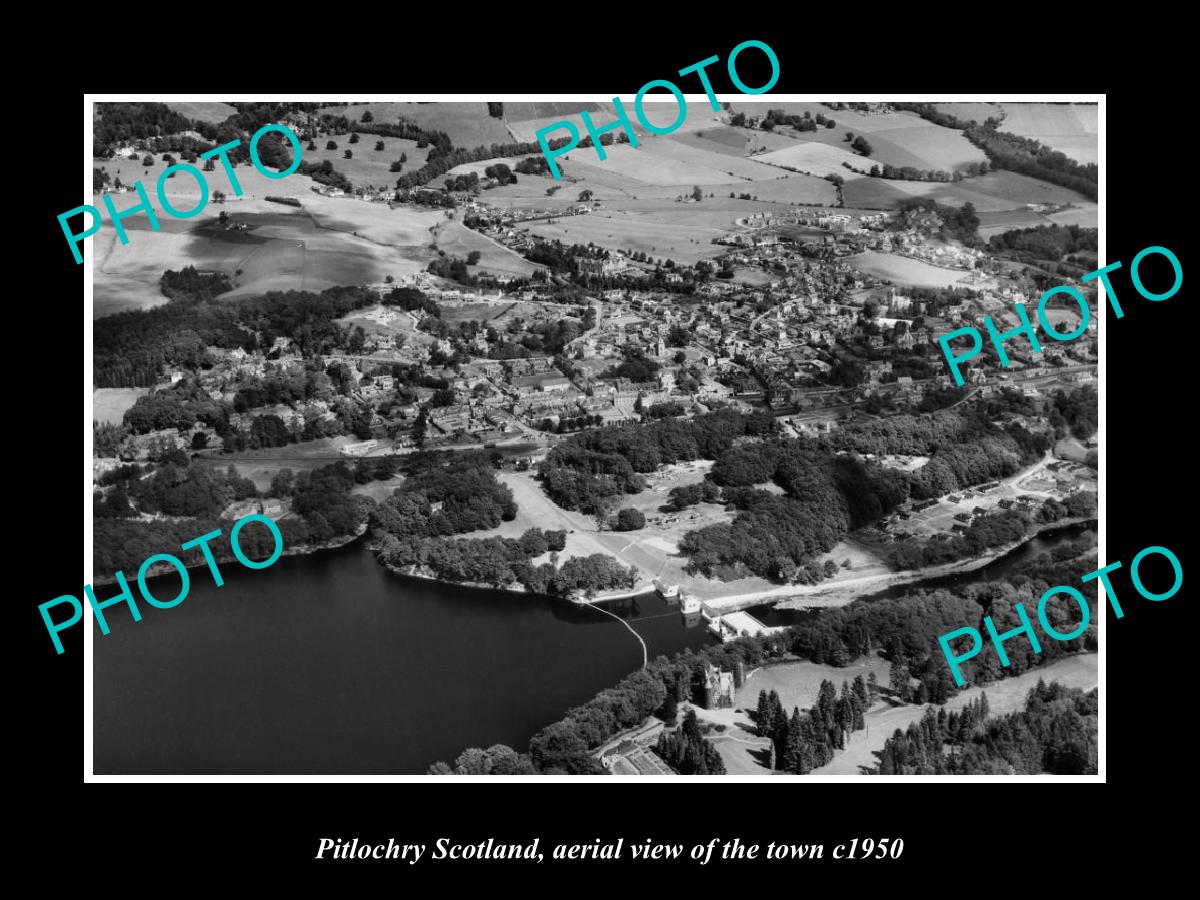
x=329 y=664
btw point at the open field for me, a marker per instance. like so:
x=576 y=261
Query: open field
x=818 y=159
x=900 y=138
x=109 y=404
x=798 y=683
x=328 y=241
x=700 y=117
x=1004 y=697
x=368 y=167
x=1086 y=214
x=994 y=192
x=905 y=270
x=479 y=167
x=496 y=314
x=661 y=161
x=466 y=122
x=912 y=142
x=991 y=223
x=1071 y=128
x=387 y=320
x=546 y=109
x=202 y=112
x=718 y=139
x=458 y=240
x=925 y=146
x=971 y=112
x=674 y=238
x=847 y=120
x=260 y=466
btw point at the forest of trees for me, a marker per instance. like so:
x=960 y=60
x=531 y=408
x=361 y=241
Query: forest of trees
x=188 y=284
x=959 y=223
x=197 y=494
x=608 y=462
x=1044 y=242
x=121 y=123
x=826 y=494
x=1056 y=734
x=407 y=531
x=686 y=751
x=131 y=348
x=806 y=740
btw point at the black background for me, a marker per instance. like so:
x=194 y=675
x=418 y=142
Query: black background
x=956 y=834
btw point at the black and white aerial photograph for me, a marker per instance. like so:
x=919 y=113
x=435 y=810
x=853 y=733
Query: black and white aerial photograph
x=590 y=448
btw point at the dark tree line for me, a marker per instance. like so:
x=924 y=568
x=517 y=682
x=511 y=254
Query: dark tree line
x=687 y=752
x=1055 y=734
x=1018 y=154
x=132 y=348
x=806 y=740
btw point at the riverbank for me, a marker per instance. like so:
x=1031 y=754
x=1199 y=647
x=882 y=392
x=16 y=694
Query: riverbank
x=837 y=592
x=300 y=550
x=516 y=587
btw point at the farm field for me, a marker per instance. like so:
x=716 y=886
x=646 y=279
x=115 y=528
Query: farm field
x=719 y=139
x=479 y=167
x=991 y=223
x=675 y=238
x=904 y=270
x=368 y=167
x=1085 y=214
x=661 y=161
x=995 y=192
x=970 y=112
x=925 y=146
x=328 y=241
x=700 y=117
x=910 y=142
x=110 y=404
x=467 y=123
x=847 y=120
x=458 y=240
x=546 y=109
x=203 y=112
x=1071 y=128
x=818 y=159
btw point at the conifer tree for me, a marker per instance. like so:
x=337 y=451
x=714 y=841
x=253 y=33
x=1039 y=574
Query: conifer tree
x=764 y=716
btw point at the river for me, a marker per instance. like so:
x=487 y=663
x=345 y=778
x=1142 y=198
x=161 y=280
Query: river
x=329 y=664
x=993 y=571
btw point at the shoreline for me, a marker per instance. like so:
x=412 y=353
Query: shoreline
x=835 y=595
x=159 y=569
x=515 y=588
x=822 y=596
